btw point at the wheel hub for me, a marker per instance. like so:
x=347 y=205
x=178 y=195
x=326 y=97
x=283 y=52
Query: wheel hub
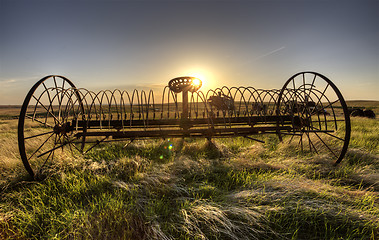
x=62 y=129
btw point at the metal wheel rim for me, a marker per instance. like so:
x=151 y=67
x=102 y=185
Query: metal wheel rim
x=24 y=115
x=344 y=141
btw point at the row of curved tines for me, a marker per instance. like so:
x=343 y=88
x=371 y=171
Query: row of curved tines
x=224 y=102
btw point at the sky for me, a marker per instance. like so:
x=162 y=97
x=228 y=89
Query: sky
x=108 y=44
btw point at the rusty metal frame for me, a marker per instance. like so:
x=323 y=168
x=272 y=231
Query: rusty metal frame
x=77 y=118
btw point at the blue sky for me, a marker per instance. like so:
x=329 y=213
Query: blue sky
x=107 y=44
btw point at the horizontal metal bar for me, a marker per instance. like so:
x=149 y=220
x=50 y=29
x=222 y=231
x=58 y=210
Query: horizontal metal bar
x=179 y=122
x=207 y=132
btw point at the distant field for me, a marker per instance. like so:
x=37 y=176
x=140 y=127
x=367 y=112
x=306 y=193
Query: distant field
x=373 y=105
x=9 y=111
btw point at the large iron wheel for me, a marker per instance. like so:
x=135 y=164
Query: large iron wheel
x=48 y=122
x=320 y=118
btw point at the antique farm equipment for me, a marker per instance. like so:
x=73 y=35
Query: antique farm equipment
x=308 y=112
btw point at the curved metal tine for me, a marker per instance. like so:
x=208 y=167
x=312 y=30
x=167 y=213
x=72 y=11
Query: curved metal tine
x=237 y=90
x=144 y=120
x=315 y=111
x=130 y=106
x=224 y=110
x=135 y=93
x=59 y=93
x=246 y=112
x=203 y=98
x=304 y=97
x=51 y=102
x=59 y=99
x=271 y=96
x=175 y=99
x=161 y=103
x=151 y=93
x=305 y=109
x=104 y=93
x=93 y=97
x=109 y=99
x=331 y=105
x=70 y=93
x=251 y=96
x=115 y=104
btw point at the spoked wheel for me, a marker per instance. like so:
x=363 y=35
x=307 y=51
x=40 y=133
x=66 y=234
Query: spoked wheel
x=320 y=118
x=48 y=123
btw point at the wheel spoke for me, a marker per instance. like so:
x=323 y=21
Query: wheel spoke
x=47 y=158
x=34 y=119
x=331 y=135
x=40 y=147
x=330 y=104
x=72 y=143
x=311 y=144
x=322 y=94
x=309 y=141
x=53 y=149
x=326 y=145
x=46 y=109
x=38 y=135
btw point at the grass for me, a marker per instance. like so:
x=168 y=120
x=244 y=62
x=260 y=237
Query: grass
x=175 y=189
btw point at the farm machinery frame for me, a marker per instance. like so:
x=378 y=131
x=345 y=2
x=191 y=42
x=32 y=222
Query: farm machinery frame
x=308 y=111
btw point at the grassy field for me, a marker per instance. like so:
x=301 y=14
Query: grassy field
x=191 y=189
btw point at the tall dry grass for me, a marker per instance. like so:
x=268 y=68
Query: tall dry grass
x=175 y=189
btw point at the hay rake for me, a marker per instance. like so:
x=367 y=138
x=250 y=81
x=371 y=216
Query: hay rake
x=308 y=111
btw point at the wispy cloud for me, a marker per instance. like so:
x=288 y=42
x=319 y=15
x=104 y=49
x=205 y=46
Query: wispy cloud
x=17 y=80
x=8 y=81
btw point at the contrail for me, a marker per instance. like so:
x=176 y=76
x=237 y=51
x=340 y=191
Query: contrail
x=272 y=52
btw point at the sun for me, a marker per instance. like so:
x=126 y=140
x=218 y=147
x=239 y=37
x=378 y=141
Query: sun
x=196 y=82
x=199 y=78
x=203 y=77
